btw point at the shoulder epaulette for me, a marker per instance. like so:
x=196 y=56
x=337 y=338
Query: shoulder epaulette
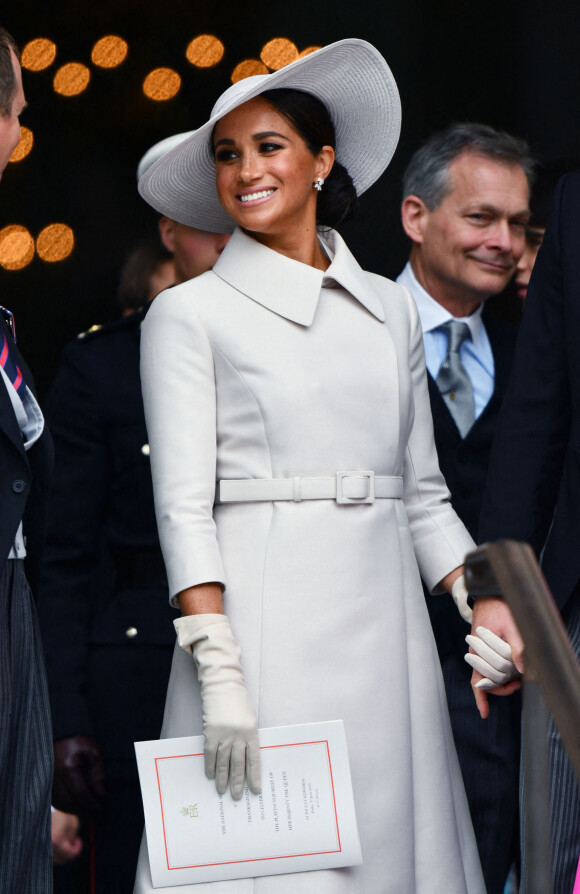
x=127 y=322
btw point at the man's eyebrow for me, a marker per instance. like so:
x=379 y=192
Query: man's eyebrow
x=493 y=209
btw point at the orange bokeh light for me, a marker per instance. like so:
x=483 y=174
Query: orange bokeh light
x=71 y=79
x=278 y=52
x=308 y=51
x=38 y=54
x=55 y=242
x=24 y=146
x=109 y=51
x=247 y=68
x=205 y=51
x=16 y=247
x=161 y=84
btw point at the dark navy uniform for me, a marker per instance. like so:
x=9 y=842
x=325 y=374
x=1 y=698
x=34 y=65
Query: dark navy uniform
x=105 y=619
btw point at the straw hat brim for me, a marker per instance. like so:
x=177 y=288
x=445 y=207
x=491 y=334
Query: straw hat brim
x=355 y=84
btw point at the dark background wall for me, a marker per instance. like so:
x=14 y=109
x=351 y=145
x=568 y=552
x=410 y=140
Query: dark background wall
x=515 y=65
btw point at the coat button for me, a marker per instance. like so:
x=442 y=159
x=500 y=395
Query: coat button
x=145 y=450
x=131 y=632
x=18 y=485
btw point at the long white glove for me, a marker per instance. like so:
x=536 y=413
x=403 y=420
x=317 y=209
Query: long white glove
x=459 y=595
x=492 y=658
x=229 y=720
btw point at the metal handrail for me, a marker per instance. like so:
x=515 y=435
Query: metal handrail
x=511 y=568
x=551 y=678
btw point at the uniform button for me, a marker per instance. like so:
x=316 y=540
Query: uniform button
x=18 y=485
x=131 y=632
x=145 y=450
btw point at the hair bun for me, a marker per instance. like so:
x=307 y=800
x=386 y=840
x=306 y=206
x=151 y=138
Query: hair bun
x=338 y=199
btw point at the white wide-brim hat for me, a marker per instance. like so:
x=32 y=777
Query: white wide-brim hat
x=159 y=149
x=359 y=91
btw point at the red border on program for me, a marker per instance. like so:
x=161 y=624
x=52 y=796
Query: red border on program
x=253 y=859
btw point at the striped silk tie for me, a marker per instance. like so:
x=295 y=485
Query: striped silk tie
x=453 y=382
x=10 y=367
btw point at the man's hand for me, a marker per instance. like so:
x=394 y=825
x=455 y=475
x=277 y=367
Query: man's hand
x=66 y=842
x=79 y=776
x=495 y=615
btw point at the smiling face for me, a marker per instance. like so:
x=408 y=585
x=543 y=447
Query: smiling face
x=467 y=248
x=10 y=124
x=265 y=173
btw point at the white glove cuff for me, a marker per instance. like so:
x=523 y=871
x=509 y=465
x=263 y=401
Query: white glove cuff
x=459 y=595
x=191 y=629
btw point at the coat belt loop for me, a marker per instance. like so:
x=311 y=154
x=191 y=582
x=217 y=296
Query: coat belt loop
x=297 y=489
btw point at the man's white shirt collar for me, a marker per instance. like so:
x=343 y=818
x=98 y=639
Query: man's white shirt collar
x=431 y=313
x=476 y=353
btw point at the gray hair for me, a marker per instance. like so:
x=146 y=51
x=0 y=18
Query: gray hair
x=7 y=75
x=427 y=174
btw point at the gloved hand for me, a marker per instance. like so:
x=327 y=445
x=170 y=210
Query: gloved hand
x=79 y=776
x=229 y=720
x=492 y=658
x=459 y=595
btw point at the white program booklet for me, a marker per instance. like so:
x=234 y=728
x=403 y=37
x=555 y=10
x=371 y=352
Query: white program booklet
x=304 y=819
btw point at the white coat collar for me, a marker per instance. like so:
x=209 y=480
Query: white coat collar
x=290 y=288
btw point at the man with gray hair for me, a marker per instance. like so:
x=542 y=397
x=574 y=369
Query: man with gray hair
x=465 y=208
x=25 y=461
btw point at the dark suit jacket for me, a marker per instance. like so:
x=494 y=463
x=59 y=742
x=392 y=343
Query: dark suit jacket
x=487 y=751
x=24 y=478
x=533 y=491
x=105 y=618
x=464 y=463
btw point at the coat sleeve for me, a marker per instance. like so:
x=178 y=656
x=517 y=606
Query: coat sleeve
x=534 y=425
x=440 y=538
x=75 y=519
x=179 y=395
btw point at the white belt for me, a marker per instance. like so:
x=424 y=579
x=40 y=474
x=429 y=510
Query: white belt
x=344 y=487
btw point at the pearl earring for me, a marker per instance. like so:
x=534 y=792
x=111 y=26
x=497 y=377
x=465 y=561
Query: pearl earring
x=318 y=184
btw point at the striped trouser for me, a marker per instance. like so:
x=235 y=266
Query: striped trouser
x=25 y=742
x=564 y=791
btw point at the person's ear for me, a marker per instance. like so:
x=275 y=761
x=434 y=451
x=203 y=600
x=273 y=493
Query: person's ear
x=414 y=216
x=325 y=160
x=167 y=233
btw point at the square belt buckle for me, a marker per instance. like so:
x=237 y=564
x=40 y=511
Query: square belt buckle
x=341 y=497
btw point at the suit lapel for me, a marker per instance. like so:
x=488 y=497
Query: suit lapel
x=502 y=338
x=442 y=418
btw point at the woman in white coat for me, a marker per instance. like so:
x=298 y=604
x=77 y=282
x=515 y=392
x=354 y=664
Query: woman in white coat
x=296 y=381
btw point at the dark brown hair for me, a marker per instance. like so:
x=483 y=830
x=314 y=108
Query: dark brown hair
x=310 y=118
x=141 y=264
